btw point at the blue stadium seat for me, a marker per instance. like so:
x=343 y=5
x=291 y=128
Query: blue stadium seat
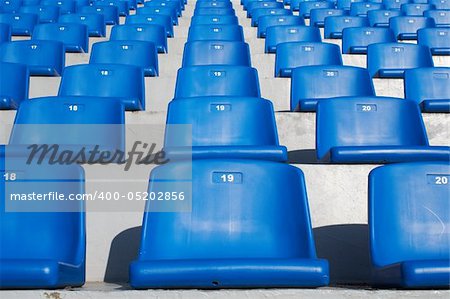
x=45 y=13
x=41 y=249
x=216 y=32
x=311 y=84
x=380 y=18
x=414 y=9
x=305 y=7
x=318 y=15
x=95 y=23
x=259 y=12
x=346 y=4
x=124 y=82
x=217 y=80
x=262 y=4
x=214 y=20
x=14 y=81
x=173 y=5
x=296 y=54
x=30 y=2
x=110 y=13
x=147 y=33
x=356 y=40
x=201 y=251
x=429 y=87
x=43 y=58
x=247 y=129
x=71 y=123
x=213 y=4
x=75 y=37
x=122 y=6
x=267 y=21
x=390 y=60
x=408 y=216
x=405 y=27
x=65 y=6
x=161 y=20
x=137 y=53
x=294 y=5
x=335 y=24
x=361 y=8
x=373 y=130
x=5 y=33
x=276 y=35
x=166 y=11
x=205 y=11
x=216 y=52
x=394 y=4
x=440 y=4
x=10 y=6
x=441 y=17
x=22 y=24
x=437 y=39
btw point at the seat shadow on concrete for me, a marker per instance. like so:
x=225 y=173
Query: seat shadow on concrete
x=124 y=249
x=346 y=247
x=304 y=156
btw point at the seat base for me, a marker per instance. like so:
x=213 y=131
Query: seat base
x=438 y=106
x=388 y=154
x=358 y=50
x=440 y=51
x=229 y=273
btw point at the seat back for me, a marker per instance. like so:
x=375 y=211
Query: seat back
x=441 y=17
x=22 y=24
x=260 y=12
x=356 y=40
x=305 y=7
x=110 y=13
x=216 y=52
x=75 y=37
x=147 y=33
x=276 y=35
x=205 y=11
x=216 y=32
x=437 y=39
x=217 y=80
x=405 y=27
x=14 y=82
x=368 y=121
x=440 y=4
x=262 y=4
x=214 y=20
x=409 y=212
x=335 y=24
x=318 y=15
x=362 y=8
x=45 y=13
x=167 y=11
x=161 y=20
x=95 y=23
x=380 y=17
x=415 y=9
x=346 y=4
x=427 y=84
x=267 y=21
x=394 y=4
x=65 y=6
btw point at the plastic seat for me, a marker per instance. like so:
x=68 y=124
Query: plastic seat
x=437 y=39
x=204 y=11
x=217 y=80
x=231 y=127
x=305 y=7
x=335 y=24
x=74 y=36
x=95 y=23
x=166 y=11
x=43 y=58
x=380 y=18
x=125 y=82
x=310 y=84
x=10 y=6
x=373 y=130
x=260 y=12
x=262 y=4
x=414 y=9
x=356 y=40
x=155 y=34
x=394 y=4
x=346 y=4
x=213 y=4
x=65 y=6
x=390 y=60
x=296 y=54
x=361 y=8
x=242 y=240
x=408 y=213
x=71 y=123
x=110 y=13
x=429 y=87
x=122 y=6
x=267 y=21
x=294 y=5
x=45 y=13
x=173 y=5
x=441 y=17
x=46 y=248
x=276 y=35
x=14 y=82
x=216 y=52
x=22 y=24
x=318 y=15
x=440 y=4
x=214 y=20
x=5 y=33
x=161 y=20
x=136 y=53
x=216 y=32
x=405 y=28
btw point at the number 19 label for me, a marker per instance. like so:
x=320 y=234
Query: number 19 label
x=227 y=177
